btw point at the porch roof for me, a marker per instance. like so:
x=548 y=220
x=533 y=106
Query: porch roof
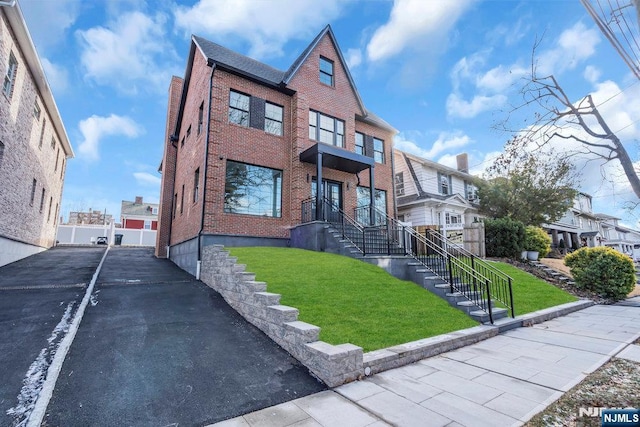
x=337 y=158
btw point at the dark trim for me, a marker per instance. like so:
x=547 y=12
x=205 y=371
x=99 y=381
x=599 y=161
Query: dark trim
x=206 y=161
x=421 y=192
x=337 y=158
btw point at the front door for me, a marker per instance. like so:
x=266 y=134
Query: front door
x=332 y=193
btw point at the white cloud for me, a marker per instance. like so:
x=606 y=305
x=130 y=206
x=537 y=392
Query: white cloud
x=48 y=20
x=265 y=25
x=414 y=21
x=446 y=141
x=131 y=53
x=500 y=78
x=147 y=179
x=592 y=74
x=353 y=58
x=458 y=107
x=57 y=77
x=95 y=128
x=574 y=45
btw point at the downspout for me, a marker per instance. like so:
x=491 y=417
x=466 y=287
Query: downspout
x=206 y=168
x=174 y=143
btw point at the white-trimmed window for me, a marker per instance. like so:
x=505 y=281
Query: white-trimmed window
x=399 y=181
x=36 y=110
x=147 y=224
x=444 y=184
x=10 y=76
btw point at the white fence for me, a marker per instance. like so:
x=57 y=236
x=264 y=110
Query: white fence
x=86 y=234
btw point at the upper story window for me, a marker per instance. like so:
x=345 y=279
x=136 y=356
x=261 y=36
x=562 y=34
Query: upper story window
x=359 y=143
x=326 y=71
x=200 y=117
x=189 y=131
x=399 y=182
x=154 y=211
x=471 y=192
x=326 y=129
x=273 y=118
x=238 y=108
x=33 y=191
x=36 y=110
x=147 y=224
x=10 y=76
x=196 y=184
x=53 y=143
x=444 y=183
x=378 y=150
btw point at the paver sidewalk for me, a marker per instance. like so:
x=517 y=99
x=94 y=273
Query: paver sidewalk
x=502 y=381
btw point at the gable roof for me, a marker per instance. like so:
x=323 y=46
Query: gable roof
x=238 y=63
x=219 y=56
x=142 y=209
x=305 y=54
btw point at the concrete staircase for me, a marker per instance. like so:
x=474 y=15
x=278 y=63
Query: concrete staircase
x=405 y=267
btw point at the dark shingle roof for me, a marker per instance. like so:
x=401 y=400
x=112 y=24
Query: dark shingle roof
x=238 y=62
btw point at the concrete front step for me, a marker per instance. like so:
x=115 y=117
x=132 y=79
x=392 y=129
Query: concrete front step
x=483 y=316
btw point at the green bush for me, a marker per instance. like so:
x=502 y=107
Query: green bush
x=602 y=270
x=504 y=238
x=536 y=239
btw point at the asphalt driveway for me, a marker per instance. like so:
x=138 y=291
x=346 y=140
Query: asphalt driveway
x=156 y=347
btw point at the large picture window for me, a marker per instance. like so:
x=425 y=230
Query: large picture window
x=326 y=129
x=238 y=108
x=253 y=190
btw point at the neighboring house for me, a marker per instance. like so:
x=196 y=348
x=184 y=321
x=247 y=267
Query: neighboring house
x=578 y=227
x=91 y=217
x=620 y=238
x=431 y=195
x=139 y=215
x=247 y=144
x=34 y=146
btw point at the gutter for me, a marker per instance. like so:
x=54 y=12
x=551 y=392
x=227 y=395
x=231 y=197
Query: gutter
x=206 y=167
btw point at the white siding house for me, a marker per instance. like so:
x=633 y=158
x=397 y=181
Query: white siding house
x=432 y=195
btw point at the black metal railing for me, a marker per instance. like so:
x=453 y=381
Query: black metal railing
x=468 y=276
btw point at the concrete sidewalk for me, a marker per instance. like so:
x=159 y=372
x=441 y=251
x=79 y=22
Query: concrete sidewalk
x=502 y=381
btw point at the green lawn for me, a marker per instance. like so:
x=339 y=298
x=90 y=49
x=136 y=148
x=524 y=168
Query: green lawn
x=351 y=301
x=531 y=293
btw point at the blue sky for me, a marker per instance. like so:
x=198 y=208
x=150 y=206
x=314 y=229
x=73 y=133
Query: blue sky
x=441 y=72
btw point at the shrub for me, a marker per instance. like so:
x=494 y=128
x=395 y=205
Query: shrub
x=536 y=239
x=504 y=238
x=602 y=270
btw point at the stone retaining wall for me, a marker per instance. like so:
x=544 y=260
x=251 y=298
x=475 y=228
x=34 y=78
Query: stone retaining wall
x=333 y=364
x=338 y=364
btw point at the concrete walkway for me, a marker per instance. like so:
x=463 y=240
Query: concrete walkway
x=502 y=381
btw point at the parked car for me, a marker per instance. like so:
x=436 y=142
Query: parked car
x=102 y=240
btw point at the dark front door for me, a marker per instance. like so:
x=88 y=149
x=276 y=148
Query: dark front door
x=332 y=193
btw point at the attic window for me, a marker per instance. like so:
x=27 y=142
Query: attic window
x=326 y=71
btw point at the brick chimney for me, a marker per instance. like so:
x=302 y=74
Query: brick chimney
x=463 y=162
x=138 y=200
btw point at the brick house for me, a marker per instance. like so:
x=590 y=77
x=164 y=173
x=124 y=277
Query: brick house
x=34 y=146
x=139 y=215
x=246 y=145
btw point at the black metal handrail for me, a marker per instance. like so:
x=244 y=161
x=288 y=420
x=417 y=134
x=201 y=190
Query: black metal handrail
x=467 y=275
x=502 y=289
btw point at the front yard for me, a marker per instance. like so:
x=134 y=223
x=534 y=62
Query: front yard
x=352 y=301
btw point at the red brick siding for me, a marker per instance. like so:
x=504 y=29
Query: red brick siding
x=229 y=141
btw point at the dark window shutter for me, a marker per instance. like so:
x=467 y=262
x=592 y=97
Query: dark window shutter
x=256 y=113
x=368 y=145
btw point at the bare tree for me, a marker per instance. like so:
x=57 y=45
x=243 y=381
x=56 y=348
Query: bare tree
x=557 y=118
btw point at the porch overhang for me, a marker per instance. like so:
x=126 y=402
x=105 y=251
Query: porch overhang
x=336 y=158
